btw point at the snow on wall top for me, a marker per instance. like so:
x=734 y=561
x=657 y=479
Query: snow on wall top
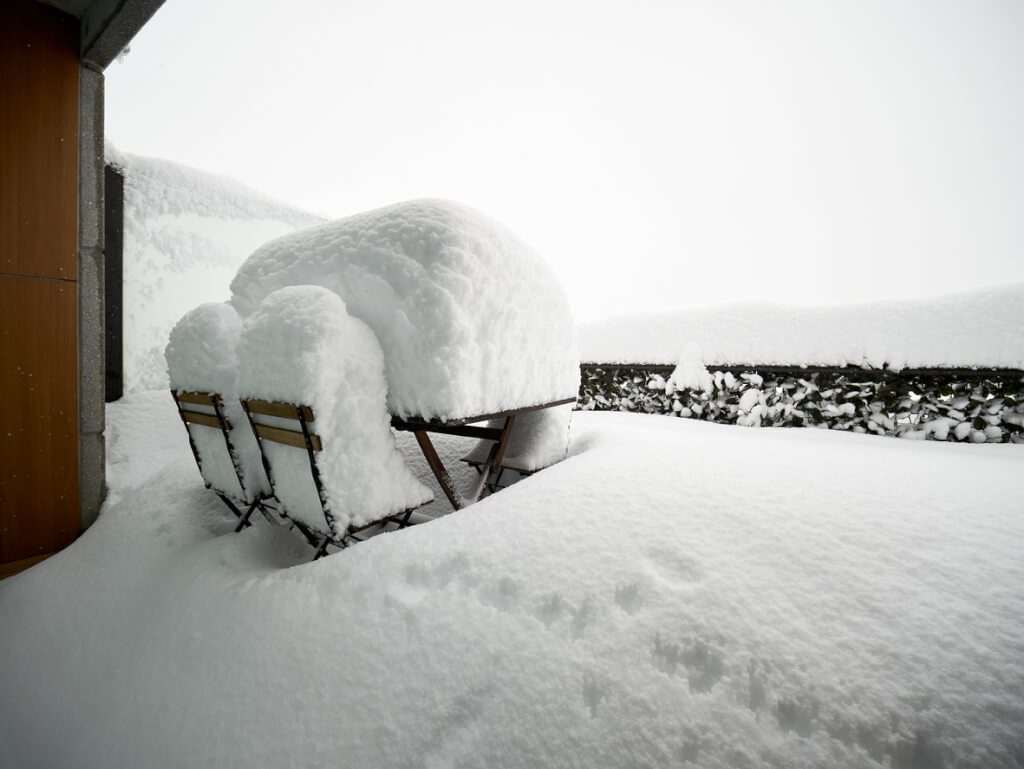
x=980 y=329
x=185 y=234
x=162 y=187
x=471 y=320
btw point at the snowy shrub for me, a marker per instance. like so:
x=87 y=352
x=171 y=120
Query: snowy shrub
x=948 y=405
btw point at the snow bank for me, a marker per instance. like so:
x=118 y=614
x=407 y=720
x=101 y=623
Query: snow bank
x=470 y=319
x=795 y=599
x=202 y=356
x=185 y=233
x=978 y=329
x=300 y=346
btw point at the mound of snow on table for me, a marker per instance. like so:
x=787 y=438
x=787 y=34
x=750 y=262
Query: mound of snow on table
x=301 y=347
x=980 y=329
x=202 y=357
x=471 y=320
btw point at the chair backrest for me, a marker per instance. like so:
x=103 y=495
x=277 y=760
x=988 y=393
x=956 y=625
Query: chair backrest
x=202 y=365
x=289 y=447
x=209 y=433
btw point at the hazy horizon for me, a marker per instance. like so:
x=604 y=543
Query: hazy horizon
x=673 y=156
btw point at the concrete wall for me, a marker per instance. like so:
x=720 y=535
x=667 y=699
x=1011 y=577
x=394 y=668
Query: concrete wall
x=91 y=352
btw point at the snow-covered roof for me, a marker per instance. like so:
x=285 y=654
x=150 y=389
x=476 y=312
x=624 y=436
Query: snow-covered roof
x=981 y=329
x=471 y=320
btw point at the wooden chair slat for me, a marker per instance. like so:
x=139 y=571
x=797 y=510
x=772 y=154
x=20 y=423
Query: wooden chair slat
x=287 y=437
x=207 y=420
x=200 y=399
x=276 y=409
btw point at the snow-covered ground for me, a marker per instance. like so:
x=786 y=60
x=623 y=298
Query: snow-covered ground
x=675 y=593
x=981 y=328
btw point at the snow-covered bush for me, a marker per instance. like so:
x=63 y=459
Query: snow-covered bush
x=300 y=346
x=202 y=356
x=471 y=320
x=948 y=405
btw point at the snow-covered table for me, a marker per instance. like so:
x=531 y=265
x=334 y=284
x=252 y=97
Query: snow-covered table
x=472 y=325
x=425 y=315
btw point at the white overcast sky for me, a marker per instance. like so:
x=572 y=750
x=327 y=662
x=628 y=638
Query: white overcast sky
x=660 y=153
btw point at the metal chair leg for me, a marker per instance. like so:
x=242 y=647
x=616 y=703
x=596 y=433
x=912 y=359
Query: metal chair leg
x=244 y=519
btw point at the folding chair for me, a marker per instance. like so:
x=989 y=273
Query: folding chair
x=289 y=448
x=209 y=437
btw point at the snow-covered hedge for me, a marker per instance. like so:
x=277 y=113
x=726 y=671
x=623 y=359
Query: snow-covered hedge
x=954 y=405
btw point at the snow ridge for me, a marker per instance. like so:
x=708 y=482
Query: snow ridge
x=979 y=329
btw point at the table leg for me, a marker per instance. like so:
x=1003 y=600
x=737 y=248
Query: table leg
x=495 y=460
x=443 y=478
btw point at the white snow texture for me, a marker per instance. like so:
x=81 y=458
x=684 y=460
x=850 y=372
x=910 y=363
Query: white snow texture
x=979 y=329
x=674 y=594
x=185 y=233
x=202 y=356
x=471 y=320
x=301 y=347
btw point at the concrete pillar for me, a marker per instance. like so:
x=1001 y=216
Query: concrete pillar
x=91 y=358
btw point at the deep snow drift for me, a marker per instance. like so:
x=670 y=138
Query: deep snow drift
x=185 y=233
x=979 y=329
x=675 y=593
x=471 y=320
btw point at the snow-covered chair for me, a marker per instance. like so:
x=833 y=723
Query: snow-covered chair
x=202 y=363
x=311 y=380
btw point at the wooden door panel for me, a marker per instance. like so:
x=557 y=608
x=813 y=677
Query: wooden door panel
x=38 y=416
x=38 y=141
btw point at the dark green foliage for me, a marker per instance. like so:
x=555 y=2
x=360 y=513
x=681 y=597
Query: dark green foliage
x=953 y=405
